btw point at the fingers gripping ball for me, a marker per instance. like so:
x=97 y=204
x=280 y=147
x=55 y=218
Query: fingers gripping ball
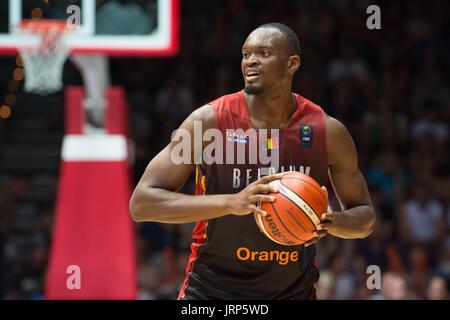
x=294 y=215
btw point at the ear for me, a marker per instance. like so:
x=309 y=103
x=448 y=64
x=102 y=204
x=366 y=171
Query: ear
x=293 y=64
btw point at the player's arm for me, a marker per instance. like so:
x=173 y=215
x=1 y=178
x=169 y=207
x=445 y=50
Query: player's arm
x=155 y=197
x=357 y=218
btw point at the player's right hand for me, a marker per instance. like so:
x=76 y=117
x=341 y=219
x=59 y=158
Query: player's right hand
x=246 y=201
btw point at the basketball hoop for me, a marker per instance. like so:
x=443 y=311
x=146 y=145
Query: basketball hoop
x=44 y=61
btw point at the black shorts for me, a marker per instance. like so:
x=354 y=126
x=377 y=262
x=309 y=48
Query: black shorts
x=306 y=294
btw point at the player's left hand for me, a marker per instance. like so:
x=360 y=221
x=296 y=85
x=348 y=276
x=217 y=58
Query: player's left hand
x=323 y=228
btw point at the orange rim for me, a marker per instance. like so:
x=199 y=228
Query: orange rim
x=42 y=25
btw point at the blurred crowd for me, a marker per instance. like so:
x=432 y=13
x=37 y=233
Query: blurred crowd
x=390 y=87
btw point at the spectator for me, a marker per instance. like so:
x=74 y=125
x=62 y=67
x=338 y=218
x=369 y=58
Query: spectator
x=394 y=287
x=436 y=289
x=347 y=65
x=174 y=100
x=422 y=217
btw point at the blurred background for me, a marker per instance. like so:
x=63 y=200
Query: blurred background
x=390 y=87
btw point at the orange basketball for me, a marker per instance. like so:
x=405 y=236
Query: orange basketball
x=293 y=216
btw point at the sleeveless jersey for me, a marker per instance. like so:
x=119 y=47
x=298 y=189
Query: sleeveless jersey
x=230 y=257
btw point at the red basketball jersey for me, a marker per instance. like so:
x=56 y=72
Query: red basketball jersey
x=230 y=258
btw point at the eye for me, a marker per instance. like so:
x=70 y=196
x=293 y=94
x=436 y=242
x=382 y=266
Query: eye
x=266 y=54
x=244 y=54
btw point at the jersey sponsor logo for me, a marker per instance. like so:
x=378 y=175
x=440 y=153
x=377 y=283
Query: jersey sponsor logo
x=282 y=257
x=306 y=135
x=237 y=138
x=241 y=147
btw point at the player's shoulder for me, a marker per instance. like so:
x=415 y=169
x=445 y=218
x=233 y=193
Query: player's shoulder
x=208 y=112
x=340 y=144
x=335 y=128
x=205 y=114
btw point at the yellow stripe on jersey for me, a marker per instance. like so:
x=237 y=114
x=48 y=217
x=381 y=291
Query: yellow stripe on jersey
x=203 y=181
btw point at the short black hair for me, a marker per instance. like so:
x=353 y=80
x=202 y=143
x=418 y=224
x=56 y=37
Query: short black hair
x=288 y=33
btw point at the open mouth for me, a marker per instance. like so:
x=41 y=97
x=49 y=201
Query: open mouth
x=251 y=75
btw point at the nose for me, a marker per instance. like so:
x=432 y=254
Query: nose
x=252 y=60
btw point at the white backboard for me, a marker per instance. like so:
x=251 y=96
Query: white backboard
x=113 y=27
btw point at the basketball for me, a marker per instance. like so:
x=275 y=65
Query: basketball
x=293 y=216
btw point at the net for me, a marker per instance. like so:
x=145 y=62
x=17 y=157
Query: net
x=44 y=60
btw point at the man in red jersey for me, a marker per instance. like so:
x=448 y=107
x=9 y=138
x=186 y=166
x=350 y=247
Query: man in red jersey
x=231 y=258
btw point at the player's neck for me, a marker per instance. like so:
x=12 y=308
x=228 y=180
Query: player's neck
x=274 y=109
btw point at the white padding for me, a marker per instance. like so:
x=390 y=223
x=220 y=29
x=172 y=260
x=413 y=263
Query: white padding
x=94 y=148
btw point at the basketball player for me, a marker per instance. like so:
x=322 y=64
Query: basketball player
x=231 y=258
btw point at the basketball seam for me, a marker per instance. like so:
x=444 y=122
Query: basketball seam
x=315 y=228
x=286 y=186
x=275 y=211
x=295 y=221
x=299 y=206
x=292 y=178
